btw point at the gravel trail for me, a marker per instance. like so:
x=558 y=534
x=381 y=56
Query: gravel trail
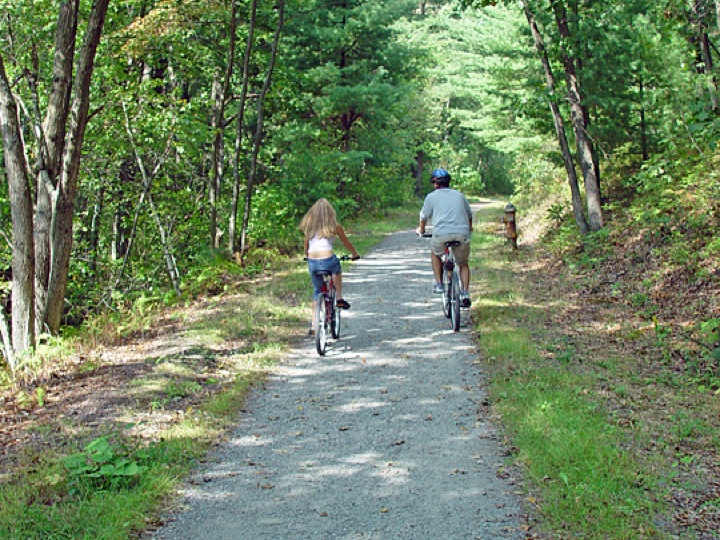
x=384 y=437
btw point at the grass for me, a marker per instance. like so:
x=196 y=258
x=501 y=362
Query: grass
x=582 y=482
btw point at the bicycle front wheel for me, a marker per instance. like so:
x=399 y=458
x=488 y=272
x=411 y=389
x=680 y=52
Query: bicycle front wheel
x=320 y=325
x=455 y=303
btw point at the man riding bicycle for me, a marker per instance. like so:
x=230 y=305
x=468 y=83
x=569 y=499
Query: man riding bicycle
x=452 y=221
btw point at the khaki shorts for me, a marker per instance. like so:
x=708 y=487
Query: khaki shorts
x=462 y=252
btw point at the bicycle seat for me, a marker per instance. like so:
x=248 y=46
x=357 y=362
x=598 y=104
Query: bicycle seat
x=323 y=273
x=454 y=243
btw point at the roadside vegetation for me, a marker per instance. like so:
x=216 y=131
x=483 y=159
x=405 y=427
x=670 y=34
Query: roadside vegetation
x=610 y=406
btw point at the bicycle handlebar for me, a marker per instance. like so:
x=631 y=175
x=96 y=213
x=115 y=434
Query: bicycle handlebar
x=342 y=258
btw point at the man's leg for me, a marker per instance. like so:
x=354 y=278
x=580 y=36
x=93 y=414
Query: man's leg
x=436 y=267
x=465 y=276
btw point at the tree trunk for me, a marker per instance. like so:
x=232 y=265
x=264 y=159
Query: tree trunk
x=419 y=162
x=700 y=29
x=23 y=258
x=62 y=230
x=259 y=128
x=94 y=238
x=643 y=124
x=232 y=225
x=577 y=206
x=220 y=92
x=215 y=159
x=587 y=165
x=53 y=139
x=147 y=182
x=6 y=342
x=170 y=262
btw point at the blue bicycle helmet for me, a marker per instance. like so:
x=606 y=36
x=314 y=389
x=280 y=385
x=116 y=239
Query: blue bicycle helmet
x=441 y=176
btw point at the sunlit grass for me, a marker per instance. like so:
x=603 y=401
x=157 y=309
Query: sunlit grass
x=583 y=485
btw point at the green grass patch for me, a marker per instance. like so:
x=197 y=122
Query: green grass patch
x=571 y=453
x=108 y=491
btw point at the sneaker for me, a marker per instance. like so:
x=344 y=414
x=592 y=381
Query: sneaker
x=438 y=288
x=342 y=304
x=465 y=299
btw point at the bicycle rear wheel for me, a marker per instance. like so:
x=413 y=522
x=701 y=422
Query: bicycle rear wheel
x=335 y=323
x=447 y=292
x=455 y=302
x=321 y=325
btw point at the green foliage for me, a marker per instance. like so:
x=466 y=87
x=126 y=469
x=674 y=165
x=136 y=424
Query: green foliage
x=101 y=466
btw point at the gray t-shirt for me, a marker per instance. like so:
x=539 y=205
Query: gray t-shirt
x=449 y=210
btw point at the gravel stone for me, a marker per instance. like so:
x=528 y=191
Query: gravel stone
x=385 y=437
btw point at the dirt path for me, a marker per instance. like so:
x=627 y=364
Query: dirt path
x=387 y=436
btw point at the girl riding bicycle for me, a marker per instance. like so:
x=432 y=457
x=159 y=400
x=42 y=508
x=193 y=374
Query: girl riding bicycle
x=320 y=228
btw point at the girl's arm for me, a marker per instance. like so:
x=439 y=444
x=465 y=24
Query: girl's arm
x=341 y=235
x=307 y=246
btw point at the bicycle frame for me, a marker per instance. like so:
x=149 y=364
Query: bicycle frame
x=451 y=286
x=327 y=315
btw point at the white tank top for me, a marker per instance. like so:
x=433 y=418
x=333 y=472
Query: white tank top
x=320 y=244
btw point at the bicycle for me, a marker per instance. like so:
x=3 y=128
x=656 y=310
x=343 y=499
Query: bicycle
x=451 y=284
x=327 y=319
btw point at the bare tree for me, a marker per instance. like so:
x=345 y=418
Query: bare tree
x=220 y=95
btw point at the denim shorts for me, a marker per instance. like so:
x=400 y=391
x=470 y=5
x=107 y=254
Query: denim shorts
x=331 y=264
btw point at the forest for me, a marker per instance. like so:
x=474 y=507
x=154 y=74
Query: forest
x=147 y=142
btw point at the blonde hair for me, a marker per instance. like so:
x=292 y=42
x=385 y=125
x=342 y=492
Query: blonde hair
x=320 y=220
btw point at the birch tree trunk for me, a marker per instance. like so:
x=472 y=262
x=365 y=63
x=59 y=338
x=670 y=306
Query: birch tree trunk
x=232 y=225
x=215 y=160
x=577 y=206
x=170 y=260
x=587 y=165
x=23 y=258
x=259 y=128
x=6 y=342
